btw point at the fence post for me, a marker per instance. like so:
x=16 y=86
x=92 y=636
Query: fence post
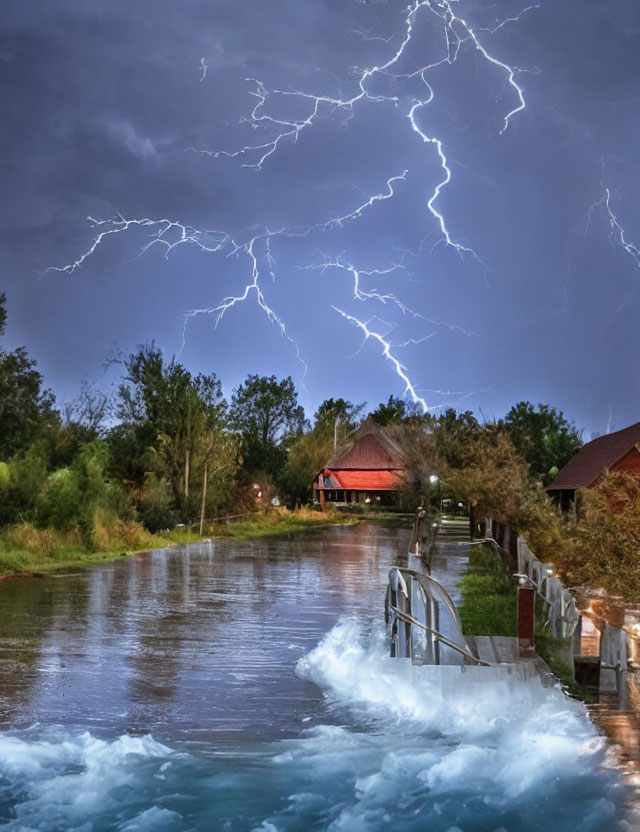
x=526 y=613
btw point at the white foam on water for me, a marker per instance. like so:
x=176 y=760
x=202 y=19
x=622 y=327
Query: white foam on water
x=68 y=782
x=466 y=753
x=484 y=756
x=154 y=819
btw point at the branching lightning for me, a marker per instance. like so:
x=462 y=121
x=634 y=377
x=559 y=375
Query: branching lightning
x=168 y=234
x=359 y=293
x=617 y=239
x=616 y=231
x=501 y=23
x=382 y=339
x=279 y=130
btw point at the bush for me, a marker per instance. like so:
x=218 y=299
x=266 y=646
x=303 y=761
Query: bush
x=58 y=506
x=132 y=534
x=5 y=477
x=43 y=542
x=156 y=510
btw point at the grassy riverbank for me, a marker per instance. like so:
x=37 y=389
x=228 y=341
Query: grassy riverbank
x=279 y=522
x=26 y=550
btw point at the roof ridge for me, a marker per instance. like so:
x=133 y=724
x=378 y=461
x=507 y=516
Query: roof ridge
x=595 y=457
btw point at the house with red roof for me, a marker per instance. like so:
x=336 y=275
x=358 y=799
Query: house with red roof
x=369 y=469
x=613 y=452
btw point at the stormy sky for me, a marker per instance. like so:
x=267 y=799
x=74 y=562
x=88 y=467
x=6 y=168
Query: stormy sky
x=106 y=106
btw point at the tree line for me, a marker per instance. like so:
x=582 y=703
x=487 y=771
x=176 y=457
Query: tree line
x=168 y=447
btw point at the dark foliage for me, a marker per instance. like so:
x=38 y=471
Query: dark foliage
x=395 y=410
x=544 y=438
x=265 y=412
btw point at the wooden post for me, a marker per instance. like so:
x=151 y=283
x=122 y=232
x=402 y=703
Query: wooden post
x=526 y=614
x=204 y=496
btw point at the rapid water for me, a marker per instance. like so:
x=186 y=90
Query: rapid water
x=247 y=687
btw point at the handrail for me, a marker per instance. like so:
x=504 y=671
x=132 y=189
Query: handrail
x=427 y=579
x=400 y=613
x=409 y=619
x=415 y=542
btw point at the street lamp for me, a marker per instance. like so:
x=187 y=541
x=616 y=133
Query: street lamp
x=435 y=479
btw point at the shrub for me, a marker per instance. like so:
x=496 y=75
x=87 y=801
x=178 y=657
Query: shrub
x=131 y=533
x=156 y=510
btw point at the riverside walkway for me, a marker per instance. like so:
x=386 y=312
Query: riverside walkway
x=449 y=561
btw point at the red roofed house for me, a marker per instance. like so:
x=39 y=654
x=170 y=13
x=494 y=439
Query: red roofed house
x=369 y=469
x=613 y=452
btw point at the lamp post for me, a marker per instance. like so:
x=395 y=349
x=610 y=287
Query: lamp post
x=433 y=479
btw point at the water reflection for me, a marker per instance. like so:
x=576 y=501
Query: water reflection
x=190 y=641
x=261 y=670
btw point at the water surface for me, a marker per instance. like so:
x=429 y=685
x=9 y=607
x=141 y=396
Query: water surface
x=246 y=686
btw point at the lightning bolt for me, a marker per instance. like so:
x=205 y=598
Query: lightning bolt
x=617 y=238
x=254 y=288
x=457 y=31
x=373 y=294
x=169 y=234
x=499 y=24
x=616 y=231
x=400 y=369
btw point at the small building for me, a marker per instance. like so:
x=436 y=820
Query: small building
x=369 y=469
x=613 y=452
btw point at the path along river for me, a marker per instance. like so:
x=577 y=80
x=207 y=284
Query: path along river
x=247 y=686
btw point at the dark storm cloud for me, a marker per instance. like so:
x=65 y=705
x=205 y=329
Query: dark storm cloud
x=101 y=101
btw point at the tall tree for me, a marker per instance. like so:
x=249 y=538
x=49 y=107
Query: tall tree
x=164 y=407
x=26 y=407
x=3 y=312
x=265 y=412
x=339 y=417
x=89 y=410
x=456 y=434
x=544 y=438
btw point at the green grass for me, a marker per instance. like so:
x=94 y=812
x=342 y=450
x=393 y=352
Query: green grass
x=34 y=556
x=490 y=608
x=279 y=523
x=489 y=599
x=17 y=560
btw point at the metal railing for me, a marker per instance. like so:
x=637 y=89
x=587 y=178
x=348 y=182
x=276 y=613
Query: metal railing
x=413 y=607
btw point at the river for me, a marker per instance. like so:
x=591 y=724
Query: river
x=241 y=686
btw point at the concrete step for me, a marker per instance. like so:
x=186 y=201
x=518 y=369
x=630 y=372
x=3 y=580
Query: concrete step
x=453 y=530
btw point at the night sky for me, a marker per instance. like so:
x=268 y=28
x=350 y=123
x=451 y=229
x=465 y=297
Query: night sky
x=106 y=104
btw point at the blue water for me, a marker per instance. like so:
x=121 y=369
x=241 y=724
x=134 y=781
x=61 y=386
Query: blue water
x=247 y=687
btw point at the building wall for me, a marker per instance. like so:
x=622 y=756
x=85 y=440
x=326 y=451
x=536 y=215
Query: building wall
x=630 y=463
